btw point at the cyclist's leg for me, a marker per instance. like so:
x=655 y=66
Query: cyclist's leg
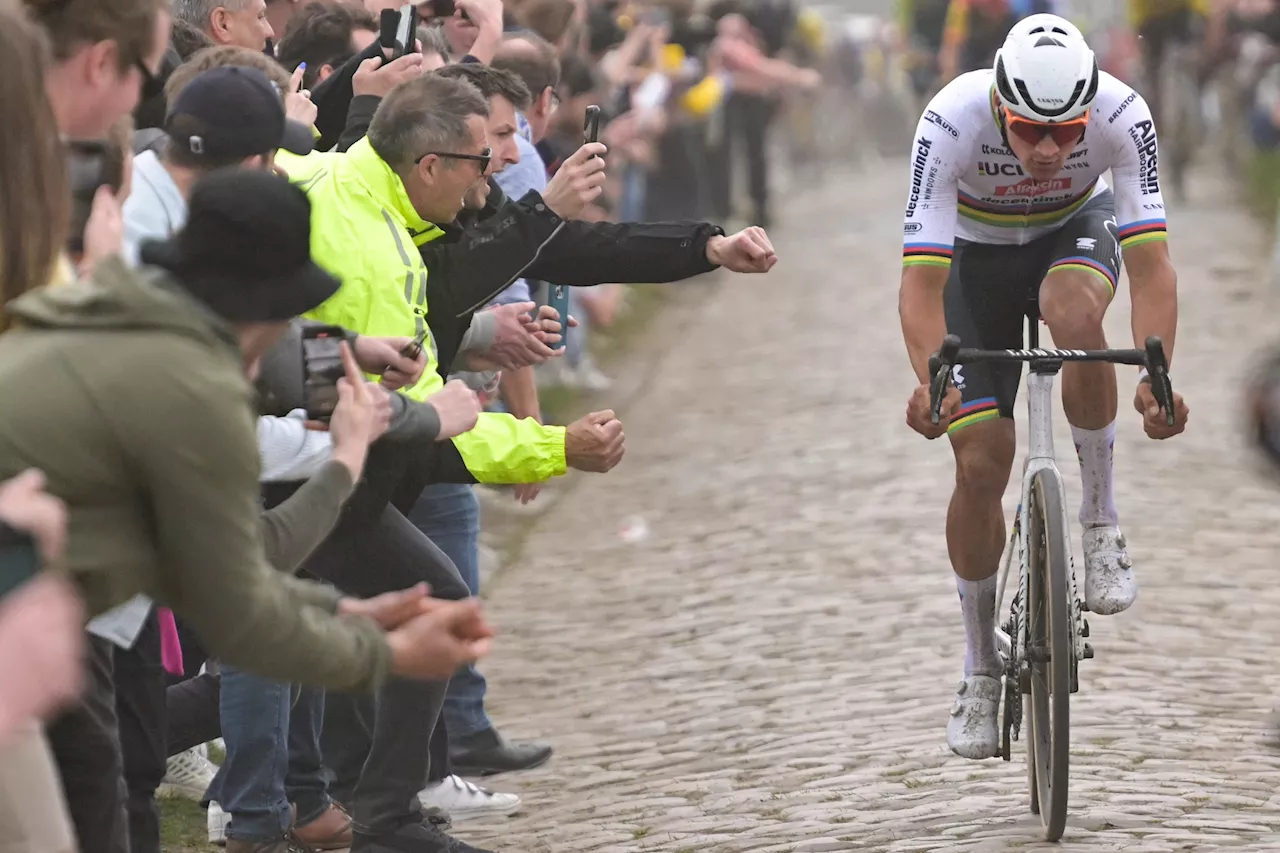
x=1077 y=289
x=985 y=304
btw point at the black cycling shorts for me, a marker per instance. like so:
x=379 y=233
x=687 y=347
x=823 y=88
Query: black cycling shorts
x=992 y=289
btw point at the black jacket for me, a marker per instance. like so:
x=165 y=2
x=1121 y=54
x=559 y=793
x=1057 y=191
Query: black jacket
x=483 y=252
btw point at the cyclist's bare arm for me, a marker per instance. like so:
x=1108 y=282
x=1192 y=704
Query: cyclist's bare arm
x=920 y=310
x=928 y=231
x=1153 y=286
x=1141 y=230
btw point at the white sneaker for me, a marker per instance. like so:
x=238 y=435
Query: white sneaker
x=188 y=774
x=217 y=820
x=1110 y=585
x=972 y=731
x=461 y=800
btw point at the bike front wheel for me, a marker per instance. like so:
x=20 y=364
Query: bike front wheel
x=1050 y=651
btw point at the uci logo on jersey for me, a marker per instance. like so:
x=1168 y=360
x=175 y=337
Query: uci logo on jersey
x=1143 y=135
x=917 y=173
x=993 y=169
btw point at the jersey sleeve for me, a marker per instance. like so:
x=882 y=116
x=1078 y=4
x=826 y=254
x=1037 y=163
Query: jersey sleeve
x=1139 y=206
x=929 y=223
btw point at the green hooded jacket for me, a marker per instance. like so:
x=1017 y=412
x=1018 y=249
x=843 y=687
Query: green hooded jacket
x=131 y=396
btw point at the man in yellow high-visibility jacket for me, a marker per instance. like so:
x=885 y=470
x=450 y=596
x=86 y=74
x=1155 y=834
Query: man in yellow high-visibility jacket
x=372 y=208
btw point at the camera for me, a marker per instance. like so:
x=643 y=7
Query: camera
x=322 y=368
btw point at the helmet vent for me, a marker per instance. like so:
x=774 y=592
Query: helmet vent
x=1046 y=41
x=1093 y=84
x=1002 y=83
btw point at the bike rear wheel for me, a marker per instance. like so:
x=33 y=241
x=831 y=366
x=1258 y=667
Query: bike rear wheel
x=1050 y=651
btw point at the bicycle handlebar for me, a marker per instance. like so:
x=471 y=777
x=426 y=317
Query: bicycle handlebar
x=951 y=354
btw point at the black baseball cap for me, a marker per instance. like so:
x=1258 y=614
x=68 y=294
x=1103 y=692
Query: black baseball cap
x=246 y=248
x=234 y=112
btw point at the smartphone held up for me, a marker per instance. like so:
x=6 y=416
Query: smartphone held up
x=398 y=30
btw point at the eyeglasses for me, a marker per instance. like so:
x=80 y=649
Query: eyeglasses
x=152 y=86
x=1063 y=133
x=482 y=158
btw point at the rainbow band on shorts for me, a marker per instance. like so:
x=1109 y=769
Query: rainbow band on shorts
x=1086 y=264
x=927 y=255
x=982 y=409
x=1146 y=231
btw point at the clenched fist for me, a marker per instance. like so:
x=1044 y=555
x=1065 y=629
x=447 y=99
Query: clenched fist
x=458 y=408
x=594 y=443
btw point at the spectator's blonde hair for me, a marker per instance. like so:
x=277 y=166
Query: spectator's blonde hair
x=72 y=24
x=35 y=198
x=220 y=57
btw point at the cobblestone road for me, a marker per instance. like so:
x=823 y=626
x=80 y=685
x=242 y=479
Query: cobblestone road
x=771 y=669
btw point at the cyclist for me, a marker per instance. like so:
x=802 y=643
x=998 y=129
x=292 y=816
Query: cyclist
x=1007 y=205
x=1160 y=24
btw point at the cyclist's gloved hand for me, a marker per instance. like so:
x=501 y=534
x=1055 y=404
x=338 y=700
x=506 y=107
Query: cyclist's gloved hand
x=1153 y=420
x=920 y=416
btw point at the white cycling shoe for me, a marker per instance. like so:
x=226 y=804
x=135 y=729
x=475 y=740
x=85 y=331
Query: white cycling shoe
x=973 y=730
x=1110 y=585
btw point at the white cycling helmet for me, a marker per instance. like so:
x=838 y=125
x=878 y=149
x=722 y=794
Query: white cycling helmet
x=1045 y=71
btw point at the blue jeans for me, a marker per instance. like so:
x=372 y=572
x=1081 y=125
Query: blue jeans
x=449 y=515
x=273 y=756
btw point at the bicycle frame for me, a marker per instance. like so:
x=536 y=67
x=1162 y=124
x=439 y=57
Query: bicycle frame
x=1040 y=456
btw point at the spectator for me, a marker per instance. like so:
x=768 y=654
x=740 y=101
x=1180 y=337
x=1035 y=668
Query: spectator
x=168 y=505
x=34 y=209
x=435 y=48
x=242 y=23
x=450 y=516
x=280 y=14
x=187 y=39
x=475 y=29
x=549 y=19
x=325 y=34
x=227 y=116
x=41 y=667
x=425 y=149
x=106 y=57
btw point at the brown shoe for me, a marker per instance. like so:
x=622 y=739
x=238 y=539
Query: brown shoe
x=330 y=831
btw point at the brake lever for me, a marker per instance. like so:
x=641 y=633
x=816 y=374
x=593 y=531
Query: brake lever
x=1161 y=385
x=940 y=364
x=937 y=386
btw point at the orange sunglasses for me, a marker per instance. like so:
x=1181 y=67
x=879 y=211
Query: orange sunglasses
x=1064 y=133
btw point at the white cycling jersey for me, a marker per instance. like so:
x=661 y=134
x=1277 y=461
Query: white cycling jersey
x=967 y=184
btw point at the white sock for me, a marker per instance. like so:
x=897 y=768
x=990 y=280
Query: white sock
x=1094 y=448
x=978 y=604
